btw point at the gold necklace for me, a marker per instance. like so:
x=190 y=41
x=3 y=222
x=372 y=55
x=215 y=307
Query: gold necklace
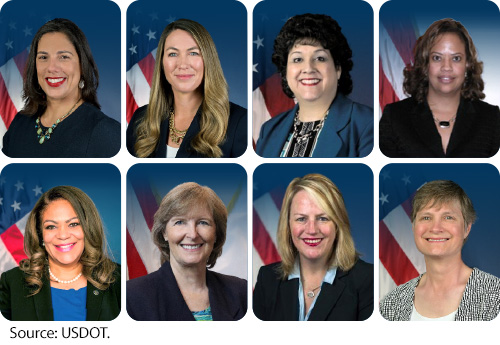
x=46 y=136
x=176 y=135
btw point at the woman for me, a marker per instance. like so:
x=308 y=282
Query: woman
x=189 y=113
x=61 y=116
x=189 y=230
x=444 y=117
x=68 y=275
x=442 y=217
x=320 y=277
x=314 y=59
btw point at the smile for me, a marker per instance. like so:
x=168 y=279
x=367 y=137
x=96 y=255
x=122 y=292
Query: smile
x=65 y=247
x=55 y=82
x=437 y=239
x=184 y=76
x=313 y=242
x=191 y=246
x=446 y=80
x=310 y=81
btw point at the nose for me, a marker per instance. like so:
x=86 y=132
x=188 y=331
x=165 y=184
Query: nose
x=309 y=66
x=182 y=61
x=446 y=64
x=63 y=232
x=437 y=225
x=310 y=227
x=191 y=230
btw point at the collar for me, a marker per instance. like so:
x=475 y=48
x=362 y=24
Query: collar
x=328 y=278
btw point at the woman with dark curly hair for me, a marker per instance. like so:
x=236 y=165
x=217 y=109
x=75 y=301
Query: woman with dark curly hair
x=68 y=275
x=444 y=117
x=189 y=230
x=61 y=116
x=314 y=60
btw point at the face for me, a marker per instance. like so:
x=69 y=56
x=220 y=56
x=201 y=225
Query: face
x=191 y=237
x=313 y=232
x=58 y=68
x=440 y=231
x=182 y=62
x=62 y=233
x=311 y=74
x=447 y=66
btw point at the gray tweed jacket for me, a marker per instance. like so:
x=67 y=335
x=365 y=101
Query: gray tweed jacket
x=480 y=301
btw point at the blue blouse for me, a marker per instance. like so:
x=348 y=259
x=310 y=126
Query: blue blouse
x=69 y=305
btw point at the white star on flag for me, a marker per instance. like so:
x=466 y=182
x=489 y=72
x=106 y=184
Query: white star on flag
x=19 y=185
x=383 y=198
x=151 y=35
x=259 y=41
x=16 y=206
x=37 y=190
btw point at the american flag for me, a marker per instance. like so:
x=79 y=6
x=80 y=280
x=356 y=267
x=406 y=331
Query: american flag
x=18 y=195
x=396 y=41
x=144 y=195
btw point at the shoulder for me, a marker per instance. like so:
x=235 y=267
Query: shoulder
x=142 y=284
x=271 y=272
x=278 y=119
x=486 y=109
x=227 y=282
x=95 y=115
x=138 y=115
x=13 y=275
x=236 y=112
x=398 y=299
x=359 y=111
x=400 y=107
x=486 y=282
x=362 y=268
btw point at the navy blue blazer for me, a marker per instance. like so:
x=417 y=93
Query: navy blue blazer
x=16 y=306
x=234 y=145
x=347 y=132
x=349 y=298
x=157 y=297
x=407 y=130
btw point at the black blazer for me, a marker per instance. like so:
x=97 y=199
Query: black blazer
x=407 y=129
x=14 y=305
x=234 y=145
x=157 y=297
x=349 y=298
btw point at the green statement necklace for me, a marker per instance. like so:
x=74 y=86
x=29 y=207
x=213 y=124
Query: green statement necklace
x=42 y=137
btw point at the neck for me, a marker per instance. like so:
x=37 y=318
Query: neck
x=186 y=104
x=57 y=109
x=309 y=269
x=313 y=111
x=443 y=103
x=65 y=272
x=441 y=273
x=189 y=278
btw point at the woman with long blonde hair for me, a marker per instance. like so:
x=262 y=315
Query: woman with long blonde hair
x=189 y=113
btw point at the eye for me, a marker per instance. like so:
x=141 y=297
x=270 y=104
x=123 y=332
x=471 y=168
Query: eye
x=436 y=58
x=425 y=218
x=449 y=217
x=42 y=57
x=321 y=58
x=194 y=53
x=300 y=219
x=64 y=57
x=178 y=222
x=297 y=60
x=172 y=54
x=457 y=58
x=50 y=227
x=323 y=219
x=72 y=225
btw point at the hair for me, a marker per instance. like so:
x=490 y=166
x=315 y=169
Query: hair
x=314 y=29
x=330 y=200
x=178 y=202
x=98 y=268
x=33 y=95
x=416 y=80
x=439 y=192
x=215 y=105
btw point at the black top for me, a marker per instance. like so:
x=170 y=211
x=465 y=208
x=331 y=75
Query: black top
x=234 y=145
x=86 y=133
x=157 y=297
x=349 y=298
x=408 y=130
x=15 y=304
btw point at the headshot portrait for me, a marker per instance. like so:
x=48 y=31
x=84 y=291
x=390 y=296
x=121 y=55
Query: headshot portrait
x=186 y=242
x=312 y=80
x=438 y=81
x=312 y=242
x=186 y=80
x=437 y=242
x=61 y=80
x=60 y=243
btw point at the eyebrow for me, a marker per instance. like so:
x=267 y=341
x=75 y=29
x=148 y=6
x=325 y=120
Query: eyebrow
x=59 y=52
x=53 y=221
x=173 y=48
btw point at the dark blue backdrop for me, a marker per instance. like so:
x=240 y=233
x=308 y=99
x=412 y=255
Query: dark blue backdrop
x=225 y=20
x=98 y=19
x=355 y=182
x=101 y=182
x=481 y=182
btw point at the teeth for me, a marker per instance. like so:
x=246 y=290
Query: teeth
x=65 y=246
x=191 y=246
x=437 y=240
x=56 y=80
x=310 y=81
x=313 y=241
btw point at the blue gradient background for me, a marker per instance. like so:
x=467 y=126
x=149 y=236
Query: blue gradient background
x=481 y=182
x=224 y=180
x=101 y=182
x=355 y=182
x=100 y=22
x=225 y=20
x=355 y=17
x=481 y=19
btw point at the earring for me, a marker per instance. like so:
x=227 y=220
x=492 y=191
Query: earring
x=43 y=244
x=81 y=84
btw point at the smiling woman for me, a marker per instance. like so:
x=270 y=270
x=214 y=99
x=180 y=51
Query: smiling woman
x=320 y=276
x=442 y=217
x=68 y=275
x=189 y=230
x=61 y=116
